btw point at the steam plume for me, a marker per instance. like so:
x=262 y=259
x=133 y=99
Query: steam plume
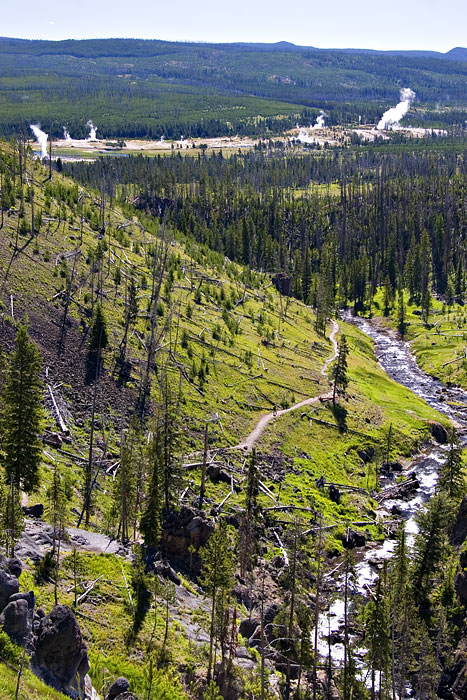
x=42 y=137
x=391 y=118
x=319 y=123
x=92 y=131
x=66 y=134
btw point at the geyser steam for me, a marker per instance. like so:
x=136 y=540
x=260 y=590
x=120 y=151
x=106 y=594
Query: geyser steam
x=92 y=131
x=42 y=137
x=319 y=123
x=66 y=134
x=391 y=118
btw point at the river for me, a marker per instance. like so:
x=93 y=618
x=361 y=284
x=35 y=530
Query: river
x=395 y=357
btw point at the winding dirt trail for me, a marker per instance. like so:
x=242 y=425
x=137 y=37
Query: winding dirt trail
x=250 y=441
x=332 y=338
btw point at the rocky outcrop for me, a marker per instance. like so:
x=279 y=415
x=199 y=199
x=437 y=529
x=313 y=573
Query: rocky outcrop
x=459 y=530
x=182 y=530
x=60 y=656
x=248 y=626
x=366 y=454
x=460 y=581
x=16 y=609
x=9 y=585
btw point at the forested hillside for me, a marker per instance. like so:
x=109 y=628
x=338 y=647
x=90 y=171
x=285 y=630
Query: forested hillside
x=137 y=88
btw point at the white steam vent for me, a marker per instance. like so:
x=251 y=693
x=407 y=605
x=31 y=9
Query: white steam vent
x=319 y=123
x=391 y=118
x=92 y=131
x=42 y=137
x=66 y=134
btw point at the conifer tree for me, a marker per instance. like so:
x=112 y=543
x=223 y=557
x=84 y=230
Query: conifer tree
x=378 y=631
x=125 y=486
x=21 y=418
x=388 y=295
x=425 y=277
x=403 y=615
x=248 y=544
x=217 y=577
x=150 y=523
x=131 y=314
x=431 y=544
x=451 y=476
x=99 y=338
x=339 y=370
x=11 y=517
x=56 y=512
x=401 y=323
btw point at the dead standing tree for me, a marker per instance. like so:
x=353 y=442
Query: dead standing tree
x=159 y=265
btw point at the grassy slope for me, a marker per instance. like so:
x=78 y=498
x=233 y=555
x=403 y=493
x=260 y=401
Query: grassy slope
x=31 y=688
x=443 y=340
x=373 y=403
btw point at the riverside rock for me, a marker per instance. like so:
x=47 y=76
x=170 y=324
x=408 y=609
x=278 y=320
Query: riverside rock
x=439 y=432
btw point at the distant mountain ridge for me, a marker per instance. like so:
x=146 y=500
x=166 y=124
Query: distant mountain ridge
x=457 y=53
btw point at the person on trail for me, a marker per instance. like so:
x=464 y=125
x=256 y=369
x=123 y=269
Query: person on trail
x=274 y=411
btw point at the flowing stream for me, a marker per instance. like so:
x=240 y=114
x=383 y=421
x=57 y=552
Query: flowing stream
x=396 y=358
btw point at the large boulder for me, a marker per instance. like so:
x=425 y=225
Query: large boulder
x=283 y=283
x=121 y=685
x=366 y=454
x=352 y=539
x=35 y=511
x=16 y=621
x=13 y=566
x=439 y=432
x=60 y=658
x=9 y=585
x=248 y=626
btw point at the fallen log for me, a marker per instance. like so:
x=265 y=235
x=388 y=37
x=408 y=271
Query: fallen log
x=284 y=553
x=402 y=489
x=88 y=590
x=58 y=415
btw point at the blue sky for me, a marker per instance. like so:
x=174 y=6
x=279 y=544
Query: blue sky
x=388 y=24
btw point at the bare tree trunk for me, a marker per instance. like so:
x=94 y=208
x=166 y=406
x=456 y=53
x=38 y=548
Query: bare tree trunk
x=211 y=635
x=203 y=468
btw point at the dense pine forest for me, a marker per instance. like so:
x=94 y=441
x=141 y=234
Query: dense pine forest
x=233 y=384
x=338 y=225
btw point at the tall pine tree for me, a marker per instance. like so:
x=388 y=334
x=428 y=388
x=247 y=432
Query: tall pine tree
x=21 y=418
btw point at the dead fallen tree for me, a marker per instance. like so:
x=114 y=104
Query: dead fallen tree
x=402 y=490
